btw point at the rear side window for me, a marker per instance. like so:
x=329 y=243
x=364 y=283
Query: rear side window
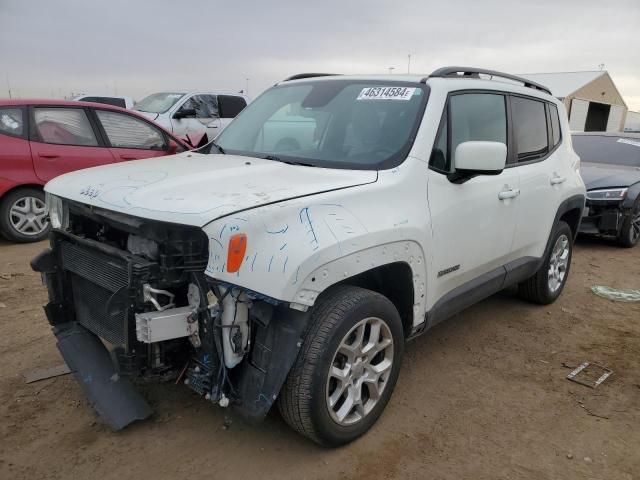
x=125 y=131
x=530 y=127
x=230 y=105
x=12 y=121
x=556 y=136
x=470 y=117
x=64 y=126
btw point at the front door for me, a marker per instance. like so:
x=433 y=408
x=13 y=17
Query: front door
x=63 y=140
x=131 y=138
x=202 y=118
x=473 y=222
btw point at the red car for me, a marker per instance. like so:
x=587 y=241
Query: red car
x=41 y=139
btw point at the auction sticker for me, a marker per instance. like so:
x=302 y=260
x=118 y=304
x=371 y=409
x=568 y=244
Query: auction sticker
x=386 y=93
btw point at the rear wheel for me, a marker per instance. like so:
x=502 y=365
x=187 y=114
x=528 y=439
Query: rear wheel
x=630 y=231
x=347 y=367
x=23 y=216
x=546 y=285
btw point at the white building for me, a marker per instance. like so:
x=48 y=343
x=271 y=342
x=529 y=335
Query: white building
x=592 y=100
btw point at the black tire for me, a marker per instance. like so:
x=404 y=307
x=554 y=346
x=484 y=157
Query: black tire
x=7 y=228
x=630 y=230
x=302 y=401
x=537 y=288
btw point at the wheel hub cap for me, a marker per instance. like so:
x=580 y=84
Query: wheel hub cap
x=558 y=263
x=28 y=216
x=359 y=371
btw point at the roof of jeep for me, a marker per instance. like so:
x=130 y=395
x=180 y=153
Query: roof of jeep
x=497 y=83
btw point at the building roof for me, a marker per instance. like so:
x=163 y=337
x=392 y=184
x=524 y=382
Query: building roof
x=563 y=84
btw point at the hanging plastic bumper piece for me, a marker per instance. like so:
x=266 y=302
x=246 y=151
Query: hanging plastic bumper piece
x=114 y=398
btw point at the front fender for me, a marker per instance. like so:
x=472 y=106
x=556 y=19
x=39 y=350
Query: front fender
x=632 y=195
x=297 y=248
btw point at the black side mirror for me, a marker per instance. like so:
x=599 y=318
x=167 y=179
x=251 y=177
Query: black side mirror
x=185 y=113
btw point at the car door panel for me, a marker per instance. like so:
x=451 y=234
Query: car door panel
x=206 y=109
x=480 y=238
x=129 y=137
x=63 y=140
x=543 y=179
x=474 y=220
x=15 y=154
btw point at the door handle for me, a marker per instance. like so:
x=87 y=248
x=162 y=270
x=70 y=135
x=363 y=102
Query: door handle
x=128 y=157
x=557 y=180
x=48 y=155
x=506 y=194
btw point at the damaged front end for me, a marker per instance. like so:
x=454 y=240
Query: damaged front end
x=604 y=212
x=128 y=299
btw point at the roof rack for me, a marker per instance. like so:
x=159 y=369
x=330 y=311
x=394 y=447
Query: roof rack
x=300 y=76
x=449 y=72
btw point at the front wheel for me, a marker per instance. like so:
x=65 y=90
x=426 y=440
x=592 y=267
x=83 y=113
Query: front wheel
x=347 y=367
x=546 y=285
x=630 y=231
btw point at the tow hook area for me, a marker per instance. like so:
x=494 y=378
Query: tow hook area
x=114 y=398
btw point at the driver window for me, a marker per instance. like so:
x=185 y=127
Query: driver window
x=206 y=106
x=125 y=131
x=472 y=116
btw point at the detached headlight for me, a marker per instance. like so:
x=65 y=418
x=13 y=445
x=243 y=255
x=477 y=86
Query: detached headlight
x=58 y=211
x=609 y=194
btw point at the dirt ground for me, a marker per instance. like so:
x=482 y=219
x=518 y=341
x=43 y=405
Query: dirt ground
x=484 y=395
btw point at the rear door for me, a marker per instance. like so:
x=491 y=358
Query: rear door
x=129 y=137
x=15 y=156
x=543 y=173
x=63 y=140
x=230 y=106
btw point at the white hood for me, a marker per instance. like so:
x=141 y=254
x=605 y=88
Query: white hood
x=195 y=189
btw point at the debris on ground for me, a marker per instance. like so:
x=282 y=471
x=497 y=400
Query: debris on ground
x=590 y=374
x=44 y=373
x=616 y=294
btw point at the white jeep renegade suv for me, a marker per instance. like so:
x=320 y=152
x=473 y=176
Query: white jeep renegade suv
x=333 y=219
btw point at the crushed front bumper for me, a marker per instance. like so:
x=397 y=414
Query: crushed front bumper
x=91 y=297
x=599 y=218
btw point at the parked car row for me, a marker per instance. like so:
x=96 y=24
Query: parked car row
x=287 y=262
x=40 y=139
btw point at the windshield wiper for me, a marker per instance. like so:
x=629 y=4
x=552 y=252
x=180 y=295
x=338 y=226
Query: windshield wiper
x=288 y=162
x=220 y=149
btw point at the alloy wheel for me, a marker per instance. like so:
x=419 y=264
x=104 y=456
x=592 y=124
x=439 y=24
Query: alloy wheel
x=558 y=263
x=359 y=371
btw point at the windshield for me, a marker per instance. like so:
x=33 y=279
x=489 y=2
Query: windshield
x=158 y=102
x=330 y=123
x=607 y=149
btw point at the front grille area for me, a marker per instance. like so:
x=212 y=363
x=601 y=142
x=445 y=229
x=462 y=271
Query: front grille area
x=95 y=267
x=99 y=286
x=97 y=311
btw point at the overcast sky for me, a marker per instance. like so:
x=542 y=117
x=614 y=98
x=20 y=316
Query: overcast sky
x=55 y=47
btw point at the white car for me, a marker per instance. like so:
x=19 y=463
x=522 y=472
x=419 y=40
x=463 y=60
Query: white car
x=258 y=274
x=193 y=113
x=116 y=100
